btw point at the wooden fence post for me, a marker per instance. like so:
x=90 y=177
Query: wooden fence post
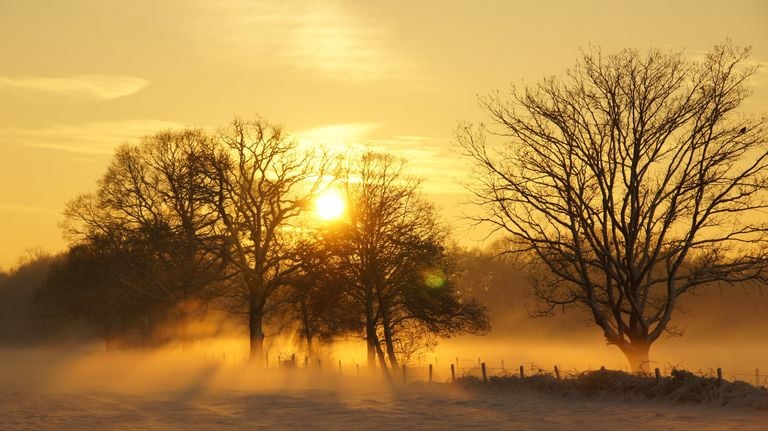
x=403 y=373
x=319 y=365
x=453 y=374
x=522 y=372
x=719 y=375
x=557 y=372
x=757 y=377
x=430 y=373
x=485 y=375
x=502 y=365
x=306 y=361
x=658 y=375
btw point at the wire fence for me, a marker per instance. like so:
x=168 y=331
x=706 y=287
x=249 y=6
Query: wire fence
x=447 y=371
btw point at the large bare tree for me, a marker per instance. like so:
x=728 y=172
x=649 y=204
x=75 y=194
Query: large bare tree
x=263 y=182
x=631 y=180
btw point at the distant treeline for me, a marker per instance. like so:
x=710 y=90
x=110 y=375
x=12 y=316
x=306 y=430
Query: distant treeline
x=72 y=298
x=495 y=282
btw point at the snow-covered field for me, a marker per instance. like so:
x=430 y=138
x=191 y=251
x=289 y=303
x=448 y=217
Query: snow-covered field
x=50 y=391
x=436 y=407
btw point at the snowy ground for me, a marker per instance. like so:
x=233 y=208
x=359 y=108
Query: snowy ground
x=125 y=392
x=416 y=408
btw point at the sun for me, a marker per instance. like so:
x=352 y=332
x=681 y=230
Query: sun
x=330 y=205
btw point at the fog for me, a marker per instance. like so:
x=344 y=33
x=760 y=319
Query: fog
x=218 y=368
x=221 y=364
x=208 y=383
x=65 y=374
x=722 y=326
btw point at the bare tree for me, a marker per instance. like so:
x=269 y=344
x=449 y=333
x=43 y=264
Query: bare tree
x=392 y=250
x=263 y=182
x=631 y=180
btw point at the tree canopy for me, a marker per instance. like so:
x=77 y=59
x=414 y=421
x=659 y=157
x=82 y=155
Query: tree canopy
x=632 y=180
x=186 y=220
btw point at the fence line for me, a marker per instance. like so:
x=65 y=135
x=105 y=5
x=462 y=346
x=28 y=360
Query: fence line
x=459 y=367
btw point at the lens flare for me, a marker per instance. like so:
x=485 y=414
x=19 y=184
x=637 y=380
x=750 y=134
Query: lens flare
x=434 y=278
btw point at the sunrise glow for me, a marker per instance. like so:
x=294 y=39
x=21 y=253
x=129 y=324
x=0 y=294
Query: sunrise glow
x=330 y=205
x=358 y=214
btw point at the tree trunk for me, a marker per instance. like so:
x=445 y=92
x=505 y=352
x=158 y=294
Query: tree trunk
x=371 y=338
x=308 y=336
x=256 y=334
x=371 y=341
x=310 y=346
x=390 y=345
x=385 y=323
x=380 y=354
x=638 y=356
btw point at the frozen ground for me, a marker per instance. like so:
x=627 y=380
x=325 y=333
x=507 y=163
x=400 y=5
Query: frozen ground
x=140 y=392
x=416 y=408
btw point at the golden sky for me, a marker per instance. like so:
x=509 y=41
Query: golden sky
x=79 y=77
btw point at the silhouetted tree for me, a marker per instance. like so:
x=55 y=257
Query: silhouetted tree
x=631 y=181
x=151 y=217
x=262 y=182
x=392 y=250
x=316 y=298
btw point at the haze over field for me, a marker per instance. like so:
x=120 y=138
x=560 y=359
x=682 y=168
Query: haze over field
x=383 y=215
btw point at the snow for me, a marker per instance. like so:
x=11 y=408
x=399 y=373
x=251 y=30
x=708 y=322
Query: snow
x=436 y=407
x=139 y=392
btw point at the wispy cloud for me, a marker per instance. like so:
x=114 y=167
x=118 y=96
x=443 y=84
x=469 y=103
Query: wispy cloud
x=427 y=157
x=99 y=87
x=430 y=158
x=27 y=209
x=91 y=138
x=760 y=78
x=323 y=37
x=335 y=135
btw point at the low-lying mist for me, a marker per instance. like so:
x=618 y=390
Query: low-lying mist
x=199 y=369
x=221 y=364
x=722 y=327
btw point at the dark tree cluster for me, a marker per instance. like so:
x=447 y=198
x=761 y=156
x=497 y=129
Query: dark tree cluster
x=187 y=221
x=18 y=325
x=399 y=278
